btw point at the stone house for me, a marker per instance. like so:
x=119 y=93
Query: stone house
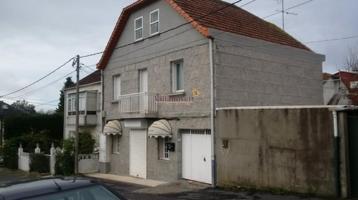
x=89 y=107
x=170 y=63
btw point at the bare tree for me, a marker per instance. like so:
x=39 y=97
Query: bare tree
x=352 y=60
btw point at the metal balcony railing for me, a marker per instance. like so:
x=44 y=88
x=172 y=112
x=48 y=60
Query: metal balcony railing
x=139 y=103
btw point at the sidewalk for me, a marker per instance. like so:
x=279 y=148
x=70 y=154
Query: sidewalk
x=126 y=179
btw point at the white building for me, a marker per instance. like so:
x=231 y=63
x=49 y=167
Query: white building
x=89 y=107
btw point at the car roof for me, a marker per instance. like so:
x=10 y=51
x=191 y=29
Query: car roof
x=41 y=187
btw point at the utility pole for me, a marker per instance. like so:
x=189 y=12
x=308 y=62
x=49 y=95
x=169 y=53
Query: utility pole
x=77 y=111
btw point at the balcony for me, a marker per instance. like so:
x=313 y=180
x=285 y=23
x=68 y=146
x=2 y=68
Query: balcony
x=137 y=105
x=84 y=119
x=88 y=107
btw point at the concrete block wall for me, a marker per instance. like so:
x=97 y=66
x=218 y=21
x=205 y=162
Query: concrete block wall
x=290 y=149
x=251 y=72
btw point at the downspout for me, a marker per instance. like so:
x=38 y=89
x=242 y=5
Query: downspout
x=212 y=112
x=336 y=148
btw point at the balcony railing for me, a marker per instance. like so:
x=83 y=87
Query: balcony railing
x=137 y=103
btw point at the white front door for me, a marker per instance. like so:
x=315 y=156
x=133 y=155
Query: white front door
x=137 y=153
x=143 y=89
x=196 y=152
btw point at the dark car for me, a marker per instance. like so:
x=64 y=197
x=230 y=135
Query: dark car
x=58 y=189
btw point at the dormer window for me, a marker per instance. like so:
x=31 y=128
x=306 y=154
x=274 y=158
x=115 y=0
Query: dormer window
x=154 y=22
x=138 y=28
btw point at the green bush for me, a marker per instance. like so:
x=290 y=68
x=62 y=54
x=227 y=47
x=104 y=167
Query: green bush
x=64 y=164
x=65 y=161
x=10 y=153
x=85 y=143
x=39 y=163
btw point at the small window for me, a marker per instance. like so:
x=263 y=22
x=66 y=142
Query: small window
x=163 y=148
x=115 y=144
x=71 y=103
x=154 y=22
x=82 y=101
x=138 y=28
x=177 y=76
x=116 y=87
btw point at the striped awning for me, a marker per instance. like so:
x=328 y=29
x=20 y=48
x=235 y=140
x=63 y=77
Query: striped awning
x=160 y=128
x=113 y=127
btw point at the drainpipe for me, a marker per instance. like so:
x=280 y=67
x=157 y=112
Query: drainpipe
x=212 y=113
x=336 y=147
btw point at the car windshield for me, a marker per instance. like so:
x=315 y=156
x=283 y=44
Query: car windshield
x=89 y=193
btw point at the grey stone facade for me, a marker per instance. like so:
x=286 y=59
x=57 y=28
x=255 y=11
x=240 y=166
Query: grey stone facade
x=250 y=72
x=274 y=75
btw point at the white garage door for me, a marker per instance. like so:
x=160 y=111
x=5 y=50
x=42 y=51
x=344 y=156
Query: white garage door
x=196 y=151
x=137 y=153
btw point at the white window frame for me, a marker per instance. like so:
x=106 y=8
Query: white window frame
x=164 y=153
x=115 y=144
x=174 y=76
x=116 y=91
x=137 y=29
x=154 y=22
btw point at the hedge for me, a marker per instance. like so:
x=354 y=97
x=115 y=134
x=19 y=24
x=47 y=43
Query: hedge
x=39 y=163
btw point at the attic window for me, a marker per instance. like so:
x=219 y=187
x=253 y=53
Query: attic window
x=138 y=28
x=154 y=22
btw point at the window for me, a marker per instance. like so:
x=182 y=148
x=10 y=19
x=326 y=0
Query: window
x=71 y=105
x=82 y=101
x=163 y=148
x=116 y=87
x=138 y=28
x=154 y=22
x=177 y=76
x=115 y=144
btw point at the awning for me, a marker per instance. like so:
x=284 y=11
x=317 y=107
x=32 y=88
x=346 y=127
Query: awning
x=160 y=128
x=113 y=128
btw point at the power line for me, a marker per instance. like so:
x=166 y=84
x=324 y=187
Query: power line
x=243 y=5
x=39 y=89
x=289 y=8
x=332 y=39
x=38 y=80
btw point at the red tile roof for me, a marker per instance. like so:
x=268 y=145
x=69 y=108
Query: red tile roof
x=231 y=19
x=347 y=78
x=326 y=76
x=91 y=78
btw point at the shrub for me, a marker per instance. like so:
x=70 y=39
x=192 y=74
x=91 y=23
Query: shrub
x=39 y=163
x=65 y=161
x=64 y=164
x=85 y=143
x=10 y=153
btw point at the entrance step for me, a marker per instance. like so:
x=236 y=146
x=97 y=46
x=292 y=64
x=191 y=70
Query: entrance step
x=126 y=179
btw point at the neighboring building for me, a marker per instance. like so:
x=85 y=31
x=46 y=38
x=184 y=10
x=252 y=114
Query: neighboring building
x=340 y=88
x=166 y=69
x=89 y=107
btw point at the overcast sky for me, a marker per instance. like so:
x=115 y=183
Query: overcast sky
x=38 y=35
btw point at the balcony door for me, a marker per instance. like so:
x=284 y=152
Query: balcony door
x=143 y=90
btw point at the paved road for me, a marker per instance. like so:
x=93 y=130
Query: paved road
x=180 y=190
x=190 y=191
x=8 y=176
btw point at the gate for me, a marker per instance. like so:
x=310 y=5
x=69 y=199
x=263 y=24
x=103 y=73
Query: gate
x=353 y=152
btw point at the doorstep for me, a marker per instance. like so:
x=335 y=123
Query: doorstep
x=126 y=179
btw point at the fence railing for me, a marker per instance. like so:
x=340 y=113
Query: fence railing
x=141 y=103
x=88 y=163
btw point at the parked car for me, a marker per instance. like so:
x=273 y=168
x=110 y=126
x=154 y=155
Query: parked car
x=58 y=189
